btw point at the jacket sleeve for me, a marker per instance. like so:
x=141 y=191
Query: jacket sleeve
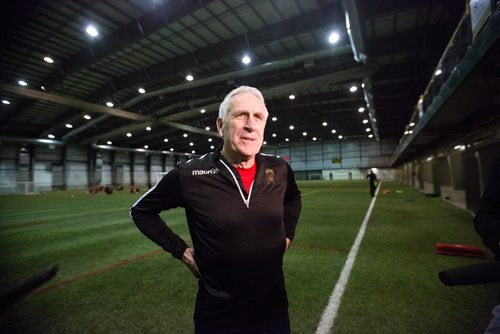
x=146 y=214
x=292 y=204
x=487 y=218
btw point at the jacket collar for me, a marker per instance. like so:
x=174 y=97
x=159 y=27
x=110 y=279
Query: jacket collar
x=218 y=156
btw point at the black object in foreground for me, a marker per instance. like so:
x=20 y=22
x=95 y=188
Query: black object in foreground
x=12 y=295
x=481 y=273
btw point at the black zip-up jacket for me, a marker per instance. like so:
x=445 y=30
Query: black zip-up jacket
x=487 y=218
x=238 y=237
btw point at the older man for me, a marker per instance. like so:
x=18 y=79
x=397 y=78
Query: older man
x=241 y=207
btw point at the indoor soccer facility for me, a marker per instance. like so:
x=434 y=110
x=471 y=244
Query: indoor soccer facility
x=101 y=99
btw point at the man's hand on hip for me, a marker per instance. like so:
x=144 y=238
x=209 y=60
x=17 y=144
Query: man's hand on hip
x=188 y=260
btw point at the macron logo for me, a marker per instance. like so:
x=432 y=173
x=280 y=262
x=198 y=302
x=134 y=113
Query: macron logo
x=205 y=172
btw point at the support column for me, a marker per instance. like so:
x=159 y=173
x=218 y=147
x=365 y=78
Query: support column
x=131 y=162
x=163 y=163
x=64 y=158
x=31 y=166
x=148 y=169
x=113 y=168
x=91 y=165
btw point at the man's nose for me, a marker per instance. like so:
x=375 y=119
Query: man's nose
x=250 y=123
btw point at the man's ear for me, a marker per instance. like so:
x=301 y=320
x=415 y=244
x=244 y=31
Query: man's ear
x=220 y=122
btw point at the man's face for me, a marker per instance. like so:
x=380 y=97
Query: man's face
x=243 y=128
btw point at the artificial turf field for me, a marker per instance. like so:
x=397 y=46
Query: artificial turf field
x=112 y=279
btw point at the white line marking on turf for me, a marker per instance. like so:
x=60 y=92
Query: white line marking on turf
x=330 y=313
x=309 y=193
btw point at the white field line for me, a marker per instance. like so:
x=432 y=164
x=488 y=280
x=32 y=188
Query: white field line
x=330 y=313
x=309 y=193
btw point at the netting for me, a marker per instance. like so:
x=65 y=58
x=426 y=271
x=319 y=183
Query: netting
x=18 y=188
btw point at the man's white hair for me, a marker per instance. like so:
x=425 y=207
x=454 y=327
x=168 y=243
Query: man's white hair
x=224 y=106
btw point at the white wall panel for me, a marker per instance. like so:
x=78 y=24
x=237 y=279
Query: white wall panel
x=77 y=174
x=106 y=174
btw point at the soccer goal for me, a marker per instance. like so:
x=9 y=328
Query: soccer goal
x=18 y=188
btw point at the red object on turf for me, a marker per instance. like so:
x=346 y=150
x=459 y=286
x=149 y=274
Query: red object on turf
x=459 y=250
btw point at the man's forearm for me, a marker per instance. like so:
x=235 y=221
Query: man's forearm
x=156 y=230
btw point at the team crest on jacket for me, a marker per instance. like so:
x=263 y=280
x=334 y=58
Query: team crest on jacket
x=270 y=176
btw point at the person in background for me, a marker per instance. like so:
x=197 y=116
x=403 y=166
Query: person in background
x=373 y=179
x=487 y=225
x=241 y=208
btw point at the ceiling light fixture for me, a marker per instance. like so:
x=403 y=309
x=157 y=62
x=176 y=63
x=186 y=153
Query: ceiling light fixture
x=51 y=136
x=87 y=117
x=185 y=135
x=334 y=131
x=148 y=128
x=203 y=111
x=92 y=31
x=146 y=146
x=109 y=142
x=333 y=38
x=49 y=60
x=207 y=128
x=340 y=136
x=325 y=123
x=361 y=109
x=438 y=72
x=368 y=130
x=110 y=104
x=365 y=121
x=129 y=134
x=291 y=127
x=304 y=133
x=291 y=97
x=141 y=90
x=210 y=140
x=246 y=59
x=274 y=119
x=69 y=126
x=286 y=139
x=5 y=101
x=353 y=88
x=165 y=140
x=189 y=77
x=22 y=83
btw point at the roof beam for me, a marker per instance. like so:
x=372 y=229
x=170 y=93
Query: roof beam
x=314 y=20
x=133 y=32
x=70 y=102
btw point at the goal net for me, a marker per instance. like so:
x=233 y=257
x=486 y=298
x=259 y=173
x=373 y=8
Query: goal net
x=18 y=188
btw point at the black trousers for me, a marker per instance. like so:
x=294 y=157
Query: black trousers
x=280 y=326
x=372 y=189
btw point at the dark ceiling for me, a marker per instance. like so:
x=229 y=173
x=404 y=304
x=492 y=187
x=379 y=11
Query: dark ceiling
x=154 y=44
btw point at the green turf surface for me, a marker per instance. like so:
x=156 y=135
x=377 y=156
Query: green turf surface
x=105 y=286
